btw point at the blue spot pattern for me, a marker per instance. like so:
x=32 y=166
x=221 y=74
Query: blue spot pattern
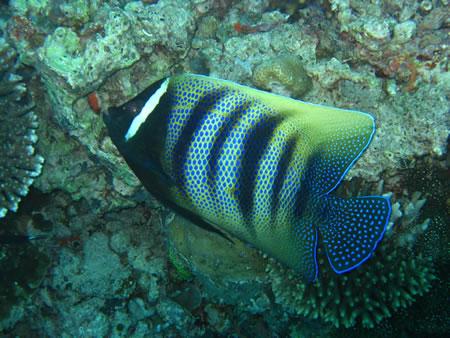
x=329 y=162
x=306 y=233
x=262 y=175
x=354 y=228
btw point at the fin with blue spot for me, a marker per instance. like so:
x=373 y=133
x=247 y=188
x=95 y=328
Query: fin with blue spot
x=352 y=229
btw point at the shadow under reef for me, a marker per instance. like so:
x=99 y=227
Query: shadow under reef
x=428 y=185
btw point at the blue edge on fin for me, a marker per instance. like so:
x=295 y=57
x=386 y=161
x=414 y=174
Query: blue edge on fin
x=386 y=222
x=386 y=215
x=316 y=267
x=357 y=230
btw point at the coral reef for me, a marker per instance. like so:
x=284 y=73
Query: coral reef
x=110 y=247
x=20 y=164
x=220 y=264
x=80 y=68
x=290 y=7
x=23 y=270
x=76 y=53
x=404 y=47
x=70 y=169
x=392 y=280
x=98 y=51
x=23 y=265
x=421 y=227
x=364 y=298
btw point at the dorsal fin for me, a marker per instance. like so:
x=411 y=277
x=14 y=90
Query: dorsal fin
x=336 y=137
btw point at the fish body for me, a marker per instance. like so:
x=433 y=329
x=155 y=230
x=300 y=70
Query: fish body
x=254 y=164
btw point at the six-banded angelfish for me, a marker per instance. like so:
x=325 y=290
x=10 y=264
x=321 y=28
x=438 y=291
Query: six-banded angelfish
x=257 y=165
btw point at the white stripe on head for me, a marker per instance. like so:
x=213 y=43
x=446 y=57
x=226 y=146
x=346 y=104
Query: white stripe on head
x=149 y=106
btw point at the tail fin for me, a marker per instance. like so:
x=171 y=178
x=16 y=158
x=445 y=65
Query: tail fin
x=352 y=229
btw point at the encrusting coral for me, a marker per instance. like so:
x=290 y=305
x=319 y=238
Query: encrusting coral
x=19 y=165
x=283 y=74
x=391 y=280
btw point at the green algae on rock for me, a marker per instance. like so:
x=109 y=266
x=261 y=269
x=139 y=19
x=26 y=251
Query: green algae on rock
x=179 y=263
x=61 y=54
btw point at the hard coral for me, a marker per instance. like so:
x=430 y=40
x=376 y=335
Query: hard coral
x=23 y=269
x=19 y=165
x=392 y=280
x=400 y=42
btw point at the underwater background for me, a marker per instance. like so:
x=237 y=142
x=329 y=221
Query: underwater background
x=85 y=251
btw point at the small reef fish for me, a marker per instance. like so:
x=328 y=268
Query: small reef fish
x=254 y=164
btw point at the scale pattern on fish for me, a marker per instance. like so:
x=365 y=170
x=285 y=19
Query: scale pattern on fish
x=254 y=164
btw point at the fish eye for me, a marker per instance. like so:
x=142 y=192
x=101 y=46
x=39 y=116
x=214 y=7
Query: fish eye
x=131 y=108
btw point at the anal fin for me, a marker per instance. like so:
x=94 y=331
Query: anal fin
x=352 y=229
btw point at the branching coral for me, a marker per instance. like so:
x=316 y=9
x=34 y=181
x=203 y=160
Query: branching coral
x=19 y=165
x=388 y=282
x=405 y=216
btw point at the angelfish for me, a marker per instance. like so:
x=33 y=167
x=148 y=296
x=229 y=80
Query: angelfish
x=254 y=164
